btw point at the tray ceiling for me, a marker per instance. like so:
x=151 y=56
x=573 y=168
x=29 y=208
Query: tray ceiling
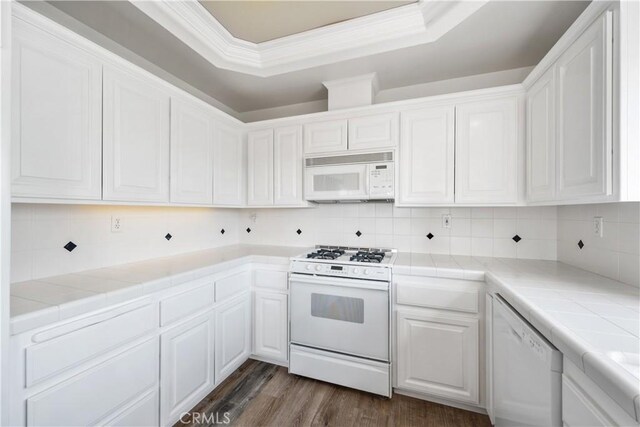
x=261 y=21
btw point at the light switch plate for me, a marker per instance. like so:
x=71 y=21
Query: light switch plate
x=446 y=221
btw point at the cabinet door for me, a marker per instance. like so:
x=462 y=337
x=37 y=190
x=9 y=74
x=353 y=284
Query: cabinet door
x=56 y=126
x=487 y=142
x=373 y=132
x=287 y=166
x=325 y=137
x=136 y=138
x=270 y=325
x=191 y=153
x=438 y=355
x=187 y=366
x=260 y=164
x=427 y=156
x=584 y=114
x=541 y=146
x=233 y=336
x=229 y=168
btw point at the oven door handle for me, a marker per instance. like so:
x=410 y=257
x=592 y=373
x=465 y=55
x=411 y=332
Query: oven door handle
x=339 y=281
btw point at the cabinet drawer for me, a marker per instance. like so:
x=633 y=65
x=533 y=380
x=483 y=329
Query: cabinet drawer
x=63 y=349
x=90 y=397
x=143 y=412
x=447 y=294
x=578 y=409
x=271 y=279
x=232 y=285
x=179 y=306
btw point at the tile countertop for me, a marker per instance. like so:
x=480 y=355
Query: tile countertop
x=592 y=320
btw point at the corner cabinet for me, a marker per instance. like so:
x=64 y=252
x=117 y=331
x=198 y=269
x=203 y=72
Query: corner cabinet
x=229 y=166
x=233 y=335
x=487 y=151
x=584 y=116
x=191 y=153
x=56 y=123
x=427 y=144
x=135 y=138
x=260 y=168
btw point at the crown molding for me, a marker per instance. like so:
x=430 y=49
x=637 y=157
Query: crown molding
x=404 y=26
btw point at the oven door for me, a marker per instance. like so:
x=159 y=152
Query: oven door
x=341 y=182
x=344 y=315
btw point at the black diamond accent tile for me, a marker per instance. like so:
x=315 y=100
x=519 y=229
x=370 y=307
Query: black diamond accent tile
x=222 y=231
x=299 y=231
x=580 y=244
x=358 y=233
x=516 y=238
x=430 y=236
x=168 y=236
x=70 y=246
x=248 y=230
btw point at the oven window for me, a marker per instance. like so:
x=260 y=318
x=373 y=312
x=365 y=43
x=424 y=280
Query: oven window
x=337 y=182
x=336 y=307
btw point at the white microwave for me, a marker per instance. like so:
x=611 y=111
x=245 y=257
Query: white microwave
x=350 y=177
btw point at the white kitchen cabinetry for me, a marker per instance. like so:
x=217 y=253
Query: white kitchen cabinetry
x=437 y=334
x=233 y=335
x=270 y=325
x=325 y=137
x=487 y=146
x=541 y=145
x=426 y=168
x=260 y=168
x=186 y=366
x=135 y=138
x=229 y=166
x=584 y=116
x=191 y=153
x=371 y=132
x=56 y=123
x=287 y=166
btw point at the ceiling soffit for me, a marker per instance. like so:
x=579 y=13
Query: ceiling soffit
x=404 y=26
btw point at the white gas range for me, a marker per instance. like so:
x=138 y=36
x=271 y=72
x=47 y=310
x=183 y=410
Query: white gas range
x=340 y=316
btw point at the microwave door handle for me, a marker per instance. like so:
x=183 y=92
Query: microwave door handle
x=367 y=181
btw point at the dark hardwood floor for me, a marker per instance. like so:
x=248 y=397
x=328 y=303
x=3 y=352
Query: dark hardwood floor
x=261 y=394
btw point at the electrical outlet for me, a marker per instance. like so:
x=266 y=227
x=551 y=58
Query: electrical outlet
x=116 y=224
x=446 y=221
x=598 y=226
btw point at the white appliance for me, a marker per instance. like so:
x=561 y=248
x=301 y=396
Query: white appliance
x=350 y=177
x=339 y=311
x=527 y=372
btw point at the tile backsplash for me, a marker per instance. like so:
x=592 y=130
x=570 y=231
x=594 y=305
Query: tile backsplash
x=474 y=231
x=616 y=254
x=40 y=232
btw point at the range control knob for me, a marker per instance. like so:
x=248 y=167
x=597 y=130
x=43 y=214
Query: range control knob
x=318 y=267
x=366 y=271
x=309 y=266
x=356 y=270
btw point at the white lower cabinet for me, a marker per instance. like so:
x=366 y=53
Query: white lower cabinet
x=233 y=336
x=270 y=325
x=97 y=395
x=438 y=354
x=186 y=366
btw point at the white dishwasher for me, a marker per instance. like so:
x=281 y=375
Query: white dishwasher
x=527 y=372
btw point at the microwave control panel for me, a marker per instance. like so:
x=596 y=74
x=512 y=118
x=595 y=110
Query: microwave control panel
x=381 y=180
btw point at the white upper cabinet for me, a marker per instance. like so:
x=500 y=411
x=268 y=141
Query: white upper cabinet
x=487 y=145
x=426 y=157
x=287 y=166
x=229 y=167
x=373 y=132
x=325 y=137
x=56 y=123
x=541 y=146
x=260 y=168
x=584 y=79
x=191 y=153
x=135 y=138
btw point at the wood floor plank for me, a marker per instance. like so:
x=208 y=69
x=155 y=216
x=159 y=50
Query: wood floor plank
x=261 y=394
